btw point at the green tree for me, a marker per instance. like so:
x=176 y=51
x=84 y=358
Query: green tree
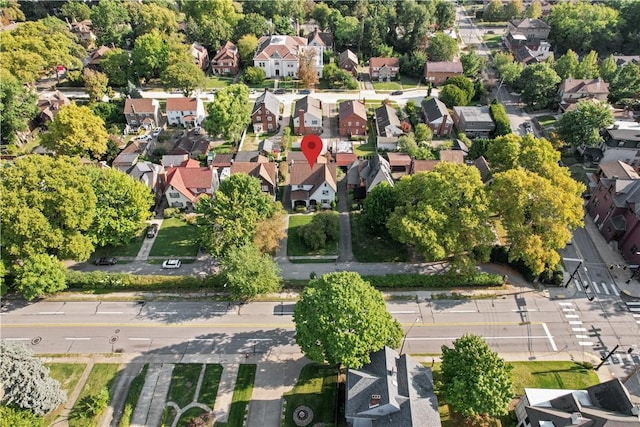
x=453 y=96
x=249 y=273
x=412 y=64
x=514 y=9
x=499 y=115
x=17 y=106
x=307 y=70
x=442 y=47
x=123 y=206
x=534 y=10
x=76 y=131
x=445 y=14
x=211 y=33
x=582 y=125
x=472 y=63
x=26 y=382
x=503 y=153
x=475 y=380
x=185 y=76
x=150 y=55
x=443 y=213
x=608 y=68
x=39 y=275
x=17 y=417
x=270 y=232
x=77 y=10
x=414 y=18
x=539 y=84
x=347 y=33
x=110 y=22
x=625 y=83
x=247 y=46
x=150 y=17
x=229 y=218
x=321 y=14
x=324 y=226
x=538 y=215
x=116 y=64
x=465 y=84
x=10 y=11
x=48 y=206
x=423 y=133
x=567 y=65
x=377 y=207
x=494 y=11
x=588 y=67
x=341 y=319
x=338 y=78
x=407 y=144
x=282 y=25
x=95 y=83
x=252 y=24
x=229 y=113
x=508 y=69
x=254 y=75
x=220 y=10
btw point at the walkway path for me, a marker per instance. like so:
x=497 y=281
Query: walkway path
x=225 y=392
x=346 y=253
x=119 y=394
x=63 y=418
x=150 y=406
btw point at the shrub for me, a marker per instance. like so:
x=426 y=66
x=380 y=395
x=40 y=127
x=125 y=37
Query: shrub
x=172 y=213
x=94 y=404
x=98 y=280
x=499 y=115
x=435 y=281
x=254 y=75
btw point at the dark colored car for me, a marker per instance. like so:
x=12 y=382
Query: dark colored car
x=305 y=92
x=397 y=92
x=106 y=261
x=152 y=231
x=280 y=91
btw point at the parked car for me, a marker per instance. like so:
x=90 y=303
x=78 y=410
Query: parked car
x=527 y=127
x=144 y=138
x=156 y=131
x=305 y=91
x=152 y=230
x=197 y=130
x=397 y=92
x=280 y=91
x=106 y=261
x=171 y=263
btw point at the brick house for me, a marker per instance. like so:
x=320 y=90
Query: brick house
x=526 y=32
x=267 y=173
x=438 y=72
x=266 y=111
x=307 y=116
x=473 y=121
x=384 y=68
x=437 y=117
x=142 y=112
x=200 y=56
x=574 y=90
x=352 y=118
x=226 y=60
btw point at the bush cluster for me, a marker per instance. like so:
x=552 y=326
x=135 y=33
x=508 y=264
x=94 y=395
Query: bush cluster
x=499 y=115
x=550 y=275
x=434 y=281
x=323 y=227
x=121 y=281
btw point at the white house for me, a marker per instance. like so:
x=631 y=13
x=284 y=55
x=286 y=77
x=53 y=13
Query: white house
x=278 y=55
x=307 y=116
x=185 y=111
x=312 y=186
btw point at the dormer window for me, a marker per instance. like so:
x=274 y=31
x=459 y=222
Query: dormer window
x=375 y=400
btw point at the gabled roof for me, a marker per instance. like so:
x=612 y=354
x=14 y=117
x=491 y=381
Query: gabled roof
x=529 y=23
x=618 y=168
x=345 y=159
x=270 y=101
x=263 y=171
x=346 y=58
x=434 y=109
x=220 y=159
x=139 y=106
x=483 y=167
x=378 y=62
x=96 y=56
x=49 y=105
x=182 y=104
x=372 y=172
x=423 y=166
x=250 y=156
x=347 y=108
x=299 y=157
x=399 y=160
x=444 y=67
x=302 y=174
x=386 y=118
x=452 y=156
x=591 y=86
x=309 y=105
x=278 y=46
x=189 y=177
x=229 y=50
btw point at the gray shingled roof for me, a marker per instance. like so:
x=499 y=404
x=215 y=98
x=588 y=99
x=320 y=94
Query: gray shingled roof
x=385 y=116
x=270 y=101
x=309 y=105
x=433 y=109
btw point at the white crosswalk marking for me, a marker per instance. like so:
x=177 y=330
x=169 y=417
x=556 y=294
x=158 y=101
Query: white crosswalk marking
x=565 y=309
x=565 y=303
x=615 y=290
x=585 y=343
x=595 y=287
x=604 y=287
x=578 y=285
x=571 y=316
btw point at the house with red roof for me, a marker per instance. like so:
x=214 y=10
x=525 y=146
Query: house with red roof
x=384 y=68
x=352 y=118
x=266 y=173
x=187 y=183
x=185 y=111
x=226 y=61
x=142 y=112
x=312 y=186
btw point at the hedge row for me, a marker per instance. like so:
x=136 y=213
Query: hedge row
x=499 y=115
x=434 y=281
x=123 y=281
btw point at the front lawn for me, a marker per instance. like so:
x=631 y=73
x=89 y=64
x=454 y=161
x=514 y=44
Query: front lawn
x=218 y=82
x=369 y=248
x=176 y=238
x=387 y=86
x=579 y=173
x=210 y=384
x=130 y=250
x=295 y=244
x=492 y=40
x=409 y=82
x=183 y=383
x=68 y=374
x=241 y=396
x=101 y=377
x=316 y=388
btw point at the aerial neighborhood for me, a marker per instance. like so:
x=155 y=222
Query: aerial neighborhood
x=274 y=213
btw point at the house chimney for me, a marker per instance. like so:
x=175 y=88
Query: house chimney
x=443 y=125
x=301 y=129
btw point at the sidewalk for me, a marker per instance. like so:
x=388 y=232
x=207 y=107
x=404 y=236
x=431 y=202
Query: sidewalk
x=611 y=256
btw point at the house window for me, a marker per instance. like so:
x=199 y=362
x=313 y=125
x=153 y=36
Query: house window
x=300 y=187
x=174 y=195
x=325 y=192
x=325 y=201
x=357 y=123
x=314 y=122
x=289 y=65
x=258 y=118
x=260 y=64
x=269 y=118
x=270 y=126
x=349 y=124
x=265 y=188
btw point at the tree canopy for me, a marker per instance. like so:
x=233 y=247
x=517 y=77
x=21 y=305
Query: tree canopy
x=76 y=131
x=17 y=106
x=249 y=273
x=539 y=84
x=340 y=319
x=475 y=380
x=229 y=113
x=185 y=76
x=582 y=125
x=442 y=47
x=443 y=213
x=26 y=382
x=39 y=275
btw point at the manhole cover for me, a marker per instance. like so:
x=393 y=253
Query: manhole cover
x=117 y=331
x=36 y=340
x=113 y=339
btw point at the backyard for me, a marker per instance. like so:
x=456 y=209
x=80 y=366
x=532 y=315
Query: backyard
x=176 y=238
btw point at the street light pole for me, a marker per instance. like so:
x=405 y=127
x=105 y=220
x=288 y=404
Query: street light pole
x=404 y=338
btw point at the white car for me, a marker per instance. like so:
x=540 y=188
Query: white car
x=197 y=130
x=171 y=263
x=156 y=131
x=144 y=138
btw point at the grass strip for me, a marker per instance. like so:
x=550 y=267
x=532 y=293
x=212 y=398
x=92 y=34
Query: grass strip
x=135 y=388
x=184 y=380
x=241 y=394
x=101 y=377
x=68 y=374
x=210 y=384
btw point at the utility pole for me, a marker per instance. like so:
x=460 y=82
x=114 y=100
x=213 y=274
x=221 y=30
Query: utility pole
x=404 y=339
x=573 y=274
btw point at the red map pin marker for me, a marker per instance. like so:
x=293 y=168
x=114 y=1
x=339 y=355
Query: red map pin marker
x=311 y=146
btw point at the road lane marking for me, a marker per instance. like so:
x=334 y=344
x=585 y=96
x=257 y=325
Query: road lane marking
x=568 y=309
x=16 y=339
x=201 y=339
x=77 y=339
x=51 y=312
x=585 y=343
x=615 y=290
x=635 y=315
x=579 y=329
x=572 y=259
x=571 y=316
x=109 y=312
x=165 y=312
x=539 y=337
x=636 y=309
x=578 y=285
x=524 y=310
x=582 y=337
x=595 y=286
x=606 y=290
x=550 y=337
x=633 y=302
x=139 y=339
x=461 y=311
x=565 y=303
x=575 y=322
